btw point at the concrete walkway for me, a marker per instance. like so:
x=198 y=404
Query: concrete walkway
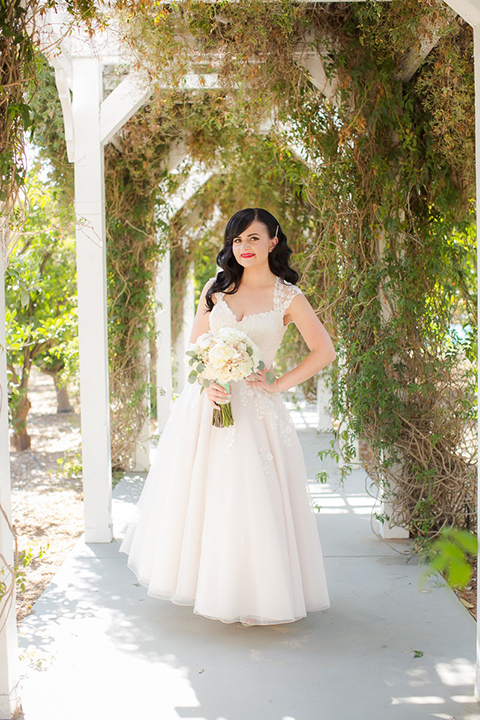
x=391 y=646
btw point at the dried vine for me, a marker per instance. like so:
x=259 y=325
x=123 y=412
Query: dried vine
x=381 y=225
x=379 y=218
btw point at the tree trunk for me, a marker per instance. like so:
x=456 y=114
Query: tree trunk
x=21 y=438
x=63 y=401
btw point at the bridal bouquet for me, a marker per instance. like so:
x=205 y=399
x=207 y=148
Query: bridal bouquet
x=221 y=357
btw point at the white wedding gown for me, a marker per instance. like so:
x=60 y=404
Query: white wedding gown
x=225 y=521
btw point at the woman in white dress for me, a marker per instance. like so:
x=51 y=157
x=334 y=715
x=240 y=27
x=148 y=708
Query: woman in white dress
x=225 y=522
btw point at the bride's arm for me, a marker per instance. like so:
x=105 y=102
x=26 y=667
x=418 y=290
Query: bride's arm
x=201 y=322
x=322 y=351
x=215 y=393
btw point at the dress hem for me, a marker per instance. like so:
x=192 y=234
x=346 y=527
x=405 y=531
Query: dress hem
x=191 y=603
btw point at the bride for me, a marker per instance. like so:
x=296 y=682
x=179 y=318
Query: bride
x=225 y=521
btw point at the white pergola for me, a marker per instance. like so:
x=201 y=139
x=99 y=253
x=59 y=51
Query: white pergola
x=90 y=123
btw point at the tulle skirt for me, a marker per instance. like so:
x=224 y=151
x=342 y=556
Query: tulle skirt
x=225 y=522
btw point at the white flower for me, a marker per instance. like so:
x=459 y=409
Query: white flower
x=204 y=342
x=226 y=355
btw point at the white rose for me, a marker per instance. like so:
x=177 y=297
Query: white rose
x=246 y=368
x=204 y=341
x=219 y=354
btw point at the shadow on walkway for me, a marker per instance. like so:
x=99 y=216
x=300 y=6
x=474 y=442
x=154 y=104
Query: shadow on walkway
x=391 y=646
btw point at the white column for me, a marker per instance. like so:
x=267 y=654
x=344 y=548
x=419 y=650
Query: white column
x=476 y=56
x=141 y=461
x=387 y=495
x=9 y=666
x=163 y=327
x=324 y=395
x=339 y=424
x=181 y=344
x=92 y=299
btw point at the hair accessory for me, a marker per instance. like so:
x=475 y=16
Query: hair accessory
x=276 y=231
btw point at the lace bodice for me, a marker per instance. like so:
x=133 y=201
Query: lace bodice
x=266 y=329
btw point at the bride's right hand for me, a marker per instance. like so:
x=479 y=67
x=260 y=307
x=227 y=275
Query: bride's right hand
x=216 y=393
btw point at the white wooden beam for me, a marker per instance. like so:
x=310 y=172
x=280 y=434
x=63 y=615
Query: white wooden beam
x=92 y=299
x=63 y=89
x=309 y=56
x=9 y=664
x=122 y=103
x=177 y=153
x=414 y=59
x=469 y=10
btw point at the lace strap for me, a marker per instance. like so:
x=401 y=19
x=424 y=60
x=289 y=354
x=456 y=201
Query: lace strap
x=284 y=294
x=210 y=282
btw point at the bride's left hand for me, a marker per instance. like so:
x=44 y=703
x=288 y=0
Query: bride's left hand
x=258 y=379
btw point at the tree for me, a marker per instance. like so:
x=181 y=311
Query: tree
x=40 y=290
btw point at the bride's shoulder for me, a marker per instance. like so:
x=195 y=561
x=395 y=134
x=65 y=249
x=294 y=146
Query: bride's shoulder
x=207 y=287
x=289 y=289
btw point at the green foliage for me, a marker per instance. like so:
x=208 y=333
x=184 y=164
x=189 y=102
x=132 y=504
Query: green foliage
x=451 y=554
x=380 y=218
x=49 y=131
x=25 y=558
x=40 y=286
x=70 y=466
x=17 y=63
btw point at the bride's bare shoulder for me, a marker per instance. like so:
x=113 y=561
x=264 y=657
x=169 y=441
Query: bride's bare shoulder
x=207 y=287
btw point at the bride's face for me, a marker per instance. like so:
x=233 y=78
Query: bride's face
x=252 y=246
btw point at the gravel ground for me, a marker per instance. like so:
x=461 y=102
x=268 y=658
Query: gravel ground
x=47 y=499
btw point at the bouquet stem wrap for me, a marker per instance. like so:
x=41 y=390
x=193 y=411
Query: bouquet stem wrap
x=223 y=416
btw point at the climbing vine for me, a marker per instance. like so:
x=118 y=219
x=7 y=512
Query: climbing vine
x=373 y=184
x=380 y=216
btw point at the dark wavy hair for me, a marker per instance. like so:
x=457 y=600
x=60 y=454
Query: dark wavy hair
x=232 y=271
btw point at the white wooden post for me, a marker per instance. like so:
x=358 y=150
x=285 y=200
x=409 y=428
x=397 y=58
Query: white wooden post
x=92 y=299
x=141 y=461
x=163 y=326
x=181 y=344
x=387 y=528
x=324 y=396
x=9 y=665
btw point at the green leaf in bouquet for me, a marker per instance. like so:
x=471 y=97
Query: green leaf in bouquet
x=249 y=350
x=270 y=377
x=261 y=365
x=202 y=389
x=200 y=367
x=192 y=353
x=192 y=377
x=191 y=361
x=206 y=383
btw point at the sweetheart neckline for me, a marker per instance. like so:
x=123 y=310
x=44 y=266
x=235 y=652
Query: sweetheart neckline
x=264 y=312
